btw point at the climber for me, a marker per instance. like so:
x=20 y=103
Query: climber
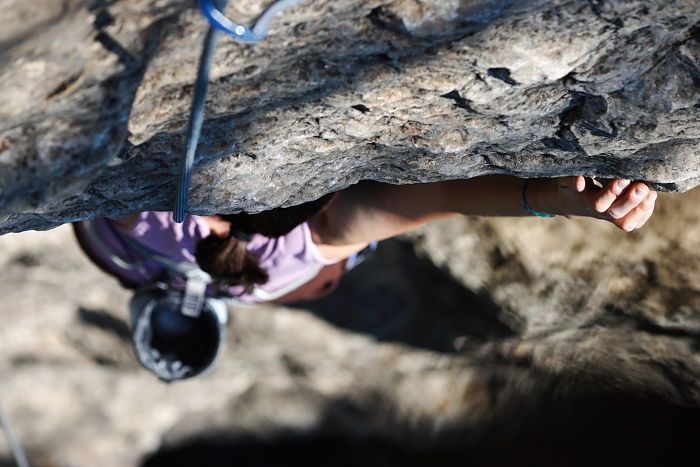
x=300 y=253
x=247 y=252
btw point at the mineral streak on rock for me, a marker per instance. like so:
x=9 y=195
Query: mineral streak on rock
x=95 y=97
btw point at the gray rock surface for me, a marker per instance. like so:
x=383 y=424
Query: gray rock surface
x=503 y=342
x=95 y=96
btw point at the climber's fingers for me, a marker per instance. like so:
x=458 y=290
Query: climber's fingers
x=605 y=198
x=639 y=215
x=632 y=197
x=650 y=211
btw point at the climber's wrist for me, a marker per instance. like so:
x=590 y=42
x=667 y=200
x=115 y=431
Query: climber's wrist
x=540 y=197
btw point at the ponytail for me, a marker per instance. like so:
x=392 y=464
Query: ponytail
x=229 y=262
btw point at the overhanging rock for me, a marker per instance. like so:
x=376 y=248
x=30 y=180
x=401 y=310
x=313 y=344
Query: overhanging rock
x=95 y=98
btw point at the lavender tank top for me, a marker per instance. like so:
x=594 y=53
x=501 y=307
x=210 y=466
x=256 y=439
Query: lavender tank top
x=290 y=260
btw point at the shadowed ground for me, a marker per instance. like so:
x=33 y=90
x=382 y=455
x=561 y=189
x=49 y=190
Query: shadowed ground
x=488 y=342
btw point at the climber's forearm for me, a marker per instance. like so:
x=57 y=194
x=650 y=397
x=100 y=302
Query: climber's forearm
x=375 y=211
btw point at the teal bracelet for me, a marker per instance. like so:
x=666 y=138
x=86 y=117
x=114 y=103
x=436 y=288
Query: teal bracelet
x=527 y=207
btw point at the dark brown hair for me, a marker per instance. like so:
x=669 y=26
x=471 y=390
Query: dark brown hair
x=228 y=260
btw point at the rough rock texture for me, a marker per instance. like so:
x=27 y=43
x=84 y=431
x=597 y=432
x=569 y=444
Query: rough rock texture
x=95 y=97
x=482 y=342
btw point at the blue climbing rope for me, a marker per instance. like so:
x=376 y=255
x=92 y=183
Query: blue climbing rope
x=212 y=10
x=194 y=127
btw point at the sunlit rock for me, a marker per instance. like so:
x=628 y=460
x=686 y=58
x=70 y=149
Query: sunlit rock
x=94 y=100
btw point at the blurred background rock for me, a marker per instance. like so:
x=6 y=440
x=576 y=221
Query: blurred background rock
x=480 y=342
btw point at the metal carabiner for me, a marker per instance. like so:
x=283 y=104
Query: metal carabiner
x=212 y=11
x=256 y=32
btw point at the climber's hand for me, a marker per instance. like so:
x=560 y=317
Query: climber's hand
x=628 y=205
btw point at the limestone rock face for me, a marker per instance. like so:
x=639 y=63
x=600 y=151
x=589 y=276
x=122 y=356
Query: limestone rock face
x=95 y=97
